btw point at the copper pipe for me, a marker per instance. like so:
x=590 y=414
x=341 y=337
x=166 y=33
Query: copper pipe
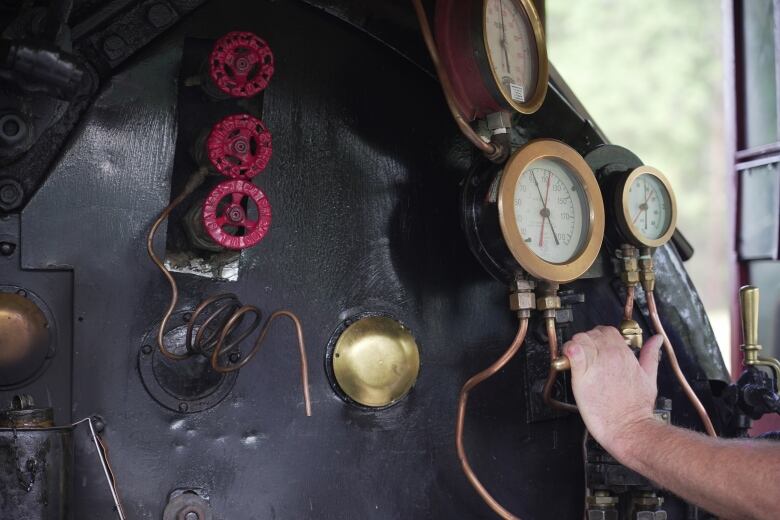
x=659 y=329
x=628 y=310
x=233 y=317
x=233 y=322
x=462 y=402
x=196 y=180
x=552 y=342
x=488 y=149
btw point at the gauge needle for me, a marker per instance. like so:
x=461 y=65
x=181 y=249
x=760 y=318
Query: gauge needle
x=503 y=36
x=545 y=212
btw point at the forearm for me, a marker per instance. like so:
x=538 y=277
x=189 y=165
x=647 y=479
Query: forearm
x=733 y=479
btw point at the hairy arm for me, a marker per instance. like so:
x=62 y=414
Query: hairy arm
x=735 y=479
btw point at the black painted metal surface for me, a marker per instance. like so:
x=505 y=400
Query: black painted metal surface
x=364 y=182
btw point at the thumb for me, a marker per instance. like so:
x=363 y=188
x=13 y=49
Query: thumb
x=578 y=358
x=650 y=356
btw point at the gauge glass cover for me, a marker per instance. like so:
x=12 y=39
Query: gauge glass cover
x=511 y=45
x=649 y=206
x=551 y=210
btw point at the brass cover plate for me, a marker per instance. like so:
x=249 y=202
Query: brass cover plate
x=542 y=65
x=528 y=260
x=376 y=361
x=24 y=337
x=624 y=215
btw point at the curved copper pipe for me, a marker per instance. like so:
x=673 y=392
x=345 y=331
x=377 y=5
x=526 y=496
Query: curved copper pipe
x=446 y=85
x=196 y=180
x=659 y=329
x=628 y=310
x=463 y=401
x=552 y=342
x=233 y=322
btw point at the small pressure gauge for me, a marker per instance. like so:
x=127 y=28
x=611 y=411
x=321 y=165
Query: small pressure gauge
x=645 y=207
x=495 y=54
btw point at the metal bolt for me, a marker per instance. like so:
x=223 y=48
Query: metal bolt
x=234 y=357
x=10 y=194
x=146 y=349
x=22 y=292
x=114 y=47
x=7 y=248
x=160 y=15
x=98 y=423
x=183 y=407
x=13 y=129
x=192 y=515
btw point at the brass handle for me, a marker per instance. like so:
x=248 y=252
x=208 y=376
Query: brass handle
x=748 y=307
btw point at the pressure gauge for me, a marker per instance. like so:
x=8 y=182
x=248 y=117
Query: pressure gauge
x=494 y=53
x=550 y=211
x=542 y=213
x=646 y=209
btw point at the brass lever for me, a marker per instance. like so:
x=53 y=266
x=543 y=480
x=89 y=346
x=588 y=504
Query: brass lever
x=748 y=307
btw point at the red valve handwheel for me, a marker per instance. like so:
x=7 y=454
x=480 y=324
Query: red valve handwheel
x=239 y=146
x=241 y=64
x=224 y=214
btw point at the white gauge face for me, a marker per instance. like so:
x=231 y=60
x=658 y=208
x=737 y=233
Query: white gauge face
x=649 y=206
x=551 y=210
x=512 y=48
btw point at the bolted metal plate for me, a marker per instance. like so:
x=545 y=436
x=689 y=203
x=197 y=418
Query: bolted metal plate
x=376 y=361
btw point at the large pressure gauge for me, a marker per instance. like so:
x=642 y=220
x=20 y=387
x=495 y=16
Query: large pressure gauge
x=648 y=208
x=542 y=214
x=494 y=53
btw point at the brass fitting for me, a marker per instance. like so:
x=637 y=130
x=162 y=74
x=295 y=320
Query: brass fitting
x=632 y=333
x=647 y=270
x=547 y=299
x=522 y=298
x=629 y=268
x=748 y=305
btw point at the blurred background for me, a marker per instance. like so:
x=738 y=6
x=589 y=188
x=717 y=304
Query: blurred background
x=651 y=75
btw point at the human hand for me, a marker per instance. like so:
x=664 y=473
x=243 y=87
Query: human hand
x=615 y=393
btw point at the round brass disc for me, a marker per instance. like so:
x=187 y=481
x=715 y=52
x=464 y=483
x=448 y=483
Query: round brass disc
x=24 y=338
x=376 y=361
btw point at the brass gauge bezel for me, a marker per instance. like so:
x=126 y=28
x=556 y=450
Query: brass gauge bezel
x=625 y=216
x=543 y=68
x=528 y=260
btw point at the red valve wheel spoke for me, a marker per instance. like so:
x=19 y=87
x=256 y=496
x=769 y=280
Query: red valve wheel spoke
x=239 y=146
x=241 y=64
x=220 y=211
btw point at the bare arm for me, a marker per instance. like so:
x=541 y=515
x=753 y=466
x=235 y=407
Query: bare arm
x=735 y=479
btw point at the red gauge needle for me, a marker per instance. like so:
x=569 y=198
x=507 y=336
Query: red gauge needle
x=547 y=212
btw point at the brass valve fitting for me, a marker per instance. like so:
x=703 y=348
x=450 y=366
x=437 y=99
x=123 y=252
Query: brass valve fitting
x=547 y=299
x=647 y=270
x=522 y=298
x=629 y=269
x=748 y=300
x=632 y=333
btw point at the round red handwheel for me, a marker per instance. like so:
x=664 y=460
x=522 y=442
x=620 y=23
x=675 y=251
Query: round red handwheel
x=226 y=220
x=241 y=64
x=239 y=146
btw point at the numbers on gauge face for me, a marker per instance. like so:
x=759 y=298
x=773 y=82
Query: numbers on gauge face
x=512 y=47
x=649 y=206
x=551 y=211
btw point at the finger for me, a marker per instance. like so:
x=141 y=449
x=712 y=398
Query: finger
x=583 y=339
x=581 y=356
x=650 y=356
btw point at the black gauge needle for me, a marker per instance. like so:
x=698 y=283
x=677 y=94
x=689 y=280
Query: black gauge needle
x=503 y=36
x=545 y=213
